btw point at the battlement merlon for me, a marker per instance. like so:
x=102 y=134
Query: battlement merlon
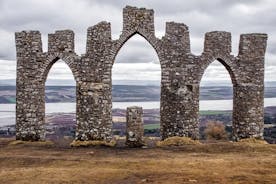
x=218 y=42
x=135 y=19
x=28 y=43
x=178 y=34
x=98 y=38
x=61 y=41
x=252 y=46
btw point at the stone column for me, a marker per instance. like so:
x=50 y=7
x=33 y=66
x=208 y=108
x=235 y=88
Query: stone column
x=94 y=115
x=29 y=88
x=93 y=112
x=178 y=116
x=248 y=110
x=134 y=126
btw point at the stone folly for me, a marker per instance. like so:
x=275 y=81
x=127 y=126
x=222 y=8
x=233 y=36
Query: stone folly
x=134 y=126
x=181 y=74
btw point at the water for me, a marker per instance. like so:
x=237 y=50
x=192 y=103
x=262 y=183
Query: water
x=7 y=111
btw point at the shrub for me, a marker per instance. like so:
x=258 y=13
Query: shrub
x=215 y=130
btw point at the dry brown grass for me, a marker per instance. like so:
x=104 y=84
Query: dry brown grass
x=202 y=163
x=177 y=141
x=111 y=143
x=30 y=143
x=252 y=141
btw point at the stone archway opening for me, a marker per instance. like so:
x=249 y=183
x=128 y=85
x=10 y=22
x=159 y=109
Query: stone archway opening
x=136 y=80
x=216 y=102
x=60 y=103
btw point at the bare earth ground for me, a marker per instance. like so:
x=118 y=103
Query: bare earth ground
x=206 y=163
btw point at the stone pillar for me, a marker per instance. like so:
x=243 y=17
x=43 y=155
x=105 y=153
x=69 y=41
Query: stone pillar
x=178 y=110
x=134 y=126
x=29 y=89
x=94 y=113
x=248 y=110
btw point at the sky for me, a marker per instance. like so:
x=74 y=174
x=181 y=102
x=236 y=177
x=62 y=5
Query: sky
x=137 y=60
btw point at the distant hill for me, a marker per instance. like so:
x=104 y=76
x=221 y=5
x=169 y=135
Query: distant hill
x=127 y=93
x=66 y=82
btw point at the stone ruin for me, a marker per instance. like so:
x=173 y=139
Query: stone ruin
x=180 y=69
x=134 y=126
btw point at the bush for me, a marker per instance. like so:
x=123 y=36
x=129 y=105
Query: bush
x=215 y=130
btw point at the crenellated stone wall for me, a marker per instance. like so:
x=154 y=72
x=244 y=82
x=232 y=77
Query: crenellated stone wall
x=181 y=72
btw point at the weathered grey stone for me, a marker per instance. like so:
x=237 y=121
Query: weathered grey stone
x=181 y=74
x=134 y=126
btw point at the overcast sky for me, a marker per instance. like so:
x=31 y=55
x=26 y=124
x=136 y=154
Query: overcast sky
x=137 y=59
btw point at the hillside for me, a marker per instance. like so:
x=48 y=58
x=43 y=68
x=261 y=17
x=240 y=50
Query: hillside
x=207 y=163
x=127 y=93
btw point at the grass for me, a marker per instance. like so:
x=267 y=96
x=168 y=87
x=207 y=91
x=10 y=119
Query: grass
x=200 y=163
x=111 y=143
x=252 y=141
x=214 y=112
x=152 y=126
x=177 y=141
x=30 y=143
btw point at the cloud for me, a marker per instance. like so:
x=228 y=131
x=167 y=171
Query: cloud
x=215 y=72
x=60 y=70
x=136 y=71
x=234 y=16
x=8 y=69
x=137 y=50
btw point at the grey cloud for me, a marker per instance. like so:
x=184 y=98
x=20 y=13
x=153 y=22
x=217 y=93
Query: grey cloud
x=137 y=50
x=176 y=6
x=235 y=16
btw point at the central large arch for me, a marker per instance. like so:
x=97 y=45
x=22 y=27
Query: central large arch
x=149 y=50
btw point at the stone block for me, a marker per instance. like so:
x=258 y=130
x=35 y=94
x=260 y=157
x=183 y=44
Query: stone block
x=134 y=126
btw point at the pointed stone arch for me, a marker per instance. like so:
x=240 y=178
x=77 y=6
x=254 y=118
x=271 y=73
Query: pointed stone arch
x=226 y=61
x=126 y=35
x=70 y=60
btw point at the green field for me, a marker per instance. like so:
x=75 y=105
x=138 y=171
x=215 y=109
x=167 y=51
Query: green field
x=214 y=112
x=152 y=126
